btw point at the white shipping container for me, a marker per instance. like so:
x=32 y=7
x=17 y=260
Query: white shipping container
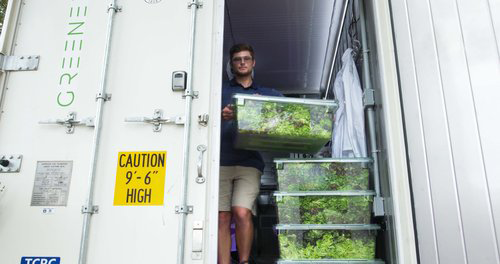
x=136 y=168
x=110 y=113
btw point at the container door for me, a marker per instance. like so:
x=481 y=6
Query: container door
x=47 y=133
x=46 y=166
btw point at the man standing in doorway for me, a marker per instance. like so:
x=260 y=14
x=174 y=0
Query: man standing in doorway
x=240 y=170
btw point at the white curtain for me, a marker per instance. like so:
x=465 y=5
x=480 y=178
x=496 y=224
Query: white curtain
x=348 y=140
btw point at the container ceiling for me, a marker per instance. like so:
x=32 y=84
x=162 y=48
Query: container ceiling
x=289 y=37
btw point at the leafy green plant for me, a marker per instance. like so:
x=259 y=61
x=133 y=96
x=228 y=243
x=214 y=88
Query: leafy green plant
x=285 y=119
x=327 y=244
x=3 y=8
x=323 y=176
x=324 y=209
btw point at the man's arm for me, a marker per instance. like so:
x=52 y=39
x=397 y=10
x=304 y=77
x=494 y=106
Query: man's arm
x=228 y=112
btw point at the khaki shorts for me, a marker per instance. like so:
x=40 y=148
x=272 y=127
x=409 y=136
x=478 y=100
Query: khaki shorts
x=238 y=186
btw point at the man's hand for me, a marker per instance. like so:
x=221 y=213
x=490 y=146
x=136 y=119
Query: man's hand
x=227 y=112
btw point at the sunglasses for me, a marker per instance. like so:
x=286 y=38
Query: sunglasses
x=242 y=59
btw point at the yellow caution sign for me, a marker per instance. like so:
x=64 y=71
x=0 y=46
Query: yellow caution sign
x=140 y=178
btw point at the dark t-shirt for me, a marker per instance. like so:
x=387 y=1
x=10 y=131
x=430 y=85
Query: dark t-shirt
x=229 y=156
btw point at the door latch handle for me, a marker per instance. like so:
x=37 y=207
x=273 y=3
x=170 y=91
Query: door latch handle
x=70 y=122
x=200 y=179
x=157 y=120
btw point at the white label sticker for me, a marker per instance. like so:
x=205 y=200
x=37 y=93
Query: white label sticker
x=51 y=187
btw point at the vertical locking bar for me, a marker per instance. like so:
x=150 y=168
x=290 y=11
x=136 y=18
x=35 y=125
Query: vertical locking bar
x=187 y=133
x=378 y=200
x=82 y=259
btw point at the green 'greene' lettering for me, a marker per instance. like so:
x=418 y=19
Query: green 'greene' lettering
x=79 y=24
x=65 y=103
x=69 y=77
x=75 y=29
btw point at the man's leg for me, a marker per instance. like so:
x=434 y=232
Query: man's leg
x=244 y=231
x=245 y=191
x=224 y=242
x=225 y=196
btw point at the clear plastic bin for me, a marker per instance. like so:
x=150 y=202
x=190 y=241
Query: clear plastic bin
x=323 y=174
x=334 y=207
x=339 y=261
x=327 y=242
x=280 y=124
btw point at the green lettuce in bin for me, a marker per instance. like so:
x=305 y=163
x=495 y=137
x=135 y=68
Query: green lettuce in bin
x=285 y=119
x=323 y=176
x=321 y=244
x=324 y=209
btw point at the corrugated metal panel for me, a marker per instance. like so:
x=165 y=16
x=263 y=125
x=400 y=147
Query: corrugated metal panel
x=449 y=68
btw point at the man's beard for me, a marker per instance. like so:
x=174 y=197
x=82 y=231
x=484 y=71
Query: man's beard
x=242 y=74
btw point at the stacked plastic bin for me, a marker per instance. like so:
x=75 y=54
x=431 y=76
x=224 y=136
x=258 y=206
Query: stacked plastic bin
x=324 y=205
x=280 y=124
x=324 y=211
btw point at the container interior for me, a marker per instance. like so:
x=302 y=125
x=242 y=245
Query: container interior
x=293 y=42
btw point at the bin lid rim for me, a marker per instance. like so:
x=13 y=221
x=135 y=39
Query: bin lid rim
x=333 y=103
x=331 y=160
x=331 y=261
x=358 y=227
x=327 y=193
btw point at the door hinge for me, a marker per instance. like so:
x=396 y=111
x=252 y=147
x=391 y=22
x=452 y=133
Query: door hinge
x=192 y=94
x=197 y=246
x=184 y=209
x=90 y=210
x=106 y=97
x=10 y=163
x=115 y=8
x=203 y=120
x=369 y=97
x=19 y=63
x=378 y=206
x=196 y=3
